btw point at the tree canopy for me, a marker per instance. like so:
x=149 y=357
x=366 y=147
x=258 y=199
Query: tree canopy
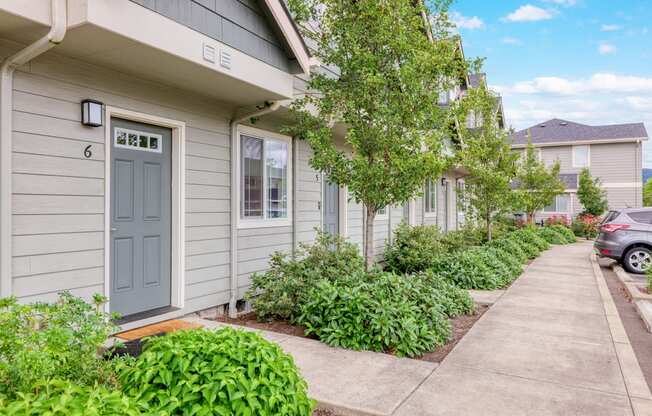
x=384 y=64
x=591 y=195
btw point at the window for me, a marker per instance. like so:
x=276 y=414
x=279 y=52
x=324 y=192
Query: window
x=382 y=212
x=561 y=204
x=430 y=197
x=644 y=217
x=581 y=156
x=265 y=178
x=137 y=140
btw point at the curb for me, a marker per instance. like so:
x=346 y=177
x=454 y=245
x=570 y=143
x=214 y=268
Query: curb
x=642 y=301
x=635 y=382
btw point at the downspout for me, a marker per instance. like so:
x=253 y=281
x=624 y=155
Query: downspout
x=235 y=211
x=54 y=37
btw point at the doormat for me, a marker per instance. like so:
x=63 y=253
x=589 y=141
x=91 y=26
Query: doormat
x=157 y=329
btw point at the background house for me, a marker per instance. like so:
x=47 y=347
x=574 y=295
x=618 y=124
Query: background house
x=612 y=153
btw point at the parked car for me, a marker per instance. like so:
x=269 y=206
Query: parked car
x=626 y=236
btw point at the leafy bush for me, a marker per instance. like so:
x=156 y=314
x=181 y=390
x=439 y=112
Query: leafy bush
x=224 y=372
x=510 y=246
x=473 y=269
x=566 y=232
x=552 y=236
x=528 y=235
x=586 y=226
x=453 y=300
x=40 y=342
x=63 y=398
x=648 y=274
x=413 y=249
x=279 y=292
x=386 y=312
x=557 y=220
x=464 y=238
x=512 y=263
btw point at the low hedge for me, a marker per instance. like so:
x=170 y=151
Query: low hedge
x=413 y=249
x=565 y=231
x=223 y=372
x=510 y=246
x=552 y=236
x=401 y=314
x=473 y=269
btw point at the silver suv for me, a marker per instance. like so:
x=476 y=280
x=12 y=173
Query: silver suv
x=626 y=236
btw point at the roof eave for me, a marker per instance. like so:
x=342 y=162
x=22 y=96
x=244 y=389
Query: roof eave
x=581 y=142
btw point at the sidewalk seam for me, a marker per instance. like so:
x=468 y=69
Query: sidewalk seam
x=607 y=300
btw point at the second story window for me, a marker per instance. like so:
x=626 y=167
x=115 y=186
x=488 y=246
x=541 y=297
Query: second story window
x=581 y=156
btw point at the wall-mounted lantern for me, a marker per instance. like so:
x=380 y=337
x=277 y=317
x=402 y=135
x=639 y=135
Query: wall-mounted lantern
x=91 y=113
x=443 y=182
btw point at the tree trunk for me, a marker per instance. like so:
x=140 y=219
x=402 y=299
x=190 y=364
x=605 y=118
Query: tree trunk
x=370 y=215
x=530 y=218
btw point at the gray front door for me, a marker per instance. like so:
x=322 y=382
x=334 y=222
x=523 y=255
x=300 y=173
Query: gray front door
x=141 y=181
x=331 y=208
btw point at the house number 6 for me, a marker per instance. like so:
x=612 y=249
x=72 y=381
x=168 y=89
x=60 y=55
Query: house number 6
x=87 y=152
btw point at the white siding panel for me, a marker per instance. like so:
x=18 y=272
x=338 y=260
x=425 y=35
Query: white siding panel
x=57 y=204
x=58 y=166
x=56 y=224
x=50 y=263
x=26 y=245
x=57 y=185
x=55 y=282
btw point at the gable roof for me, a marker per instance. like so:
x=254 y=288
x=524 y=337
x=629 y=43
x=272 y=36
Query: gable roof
x=287 y=27
x=563 y=131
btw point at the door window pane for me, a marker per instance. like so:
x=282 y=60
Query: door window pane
x=580 y=156
x=252 y=177
x=277 y=179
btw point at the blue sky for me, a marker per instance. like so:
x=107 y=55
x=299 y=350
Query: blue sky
x=588 y=61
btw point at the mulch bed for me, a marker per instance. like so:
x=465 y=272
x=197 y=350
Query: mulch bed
x=461 y=325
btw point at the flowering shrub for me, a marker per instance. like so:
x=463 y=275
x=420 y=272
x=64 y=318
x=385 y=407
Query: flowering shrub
x=586 y=225
x=557 y=220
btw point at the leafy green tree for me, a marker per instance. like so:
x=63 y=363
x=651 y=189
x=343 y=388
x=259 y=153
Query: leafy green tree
x=647 y=193
x=591 y=195
x=537 y=185
x=391 y=62
x=487 y=156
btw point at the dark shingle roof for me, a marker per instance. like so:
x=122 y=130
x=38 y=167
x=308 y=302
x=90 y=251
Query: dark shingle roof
x=557 y=130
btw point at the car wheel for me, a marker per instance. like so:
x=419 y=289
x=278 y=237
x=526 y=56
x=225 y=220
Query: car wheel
x=638 y=260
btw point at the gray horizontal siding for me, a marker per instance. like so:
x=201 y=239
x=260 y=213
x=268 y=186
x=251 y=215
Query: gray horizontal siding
x=239 y=24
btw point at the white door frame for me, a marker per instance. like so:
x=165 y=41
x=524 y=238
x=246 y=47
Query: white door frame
x=177 y=270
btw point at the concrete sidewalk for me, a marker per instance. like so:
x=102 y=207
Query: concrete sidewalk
x=552 y=344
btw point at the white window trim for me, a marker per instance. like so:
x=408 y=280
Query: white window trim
x=178 y=255
x=588 y=156
x=243 y=223
x=432 y=214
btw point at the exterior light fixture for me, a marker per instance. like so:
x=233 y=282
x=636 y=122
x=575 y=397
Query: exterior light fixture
x=91 y=113
x=443 y=181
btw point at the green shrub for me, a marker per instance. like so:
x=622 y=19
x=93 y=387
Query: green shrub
x=413 y=248
x=224 y=372
x=528 y=236
x=586 y=226
x=472 y=269
x=63 y=398
x=453 y=300
x=279 y=292
x=510 y=246
x=648 y=274
x=512 y=263
x=552 y=236
x=469 y=236
x=386 y=312
x=40 y=342
x=566 y=232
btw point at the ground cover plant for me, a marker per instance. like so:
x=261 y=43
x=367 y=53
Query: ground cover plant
x=41 y=342
x=406 y=315
x=566 y=232
x=552 y=236
x=279 y=292
x=223 y=372
x=413 y=249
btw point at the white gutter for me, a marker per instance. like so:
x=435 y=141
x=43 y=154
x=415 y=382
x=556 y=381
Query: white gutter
x=56 y=34
x=235 y=210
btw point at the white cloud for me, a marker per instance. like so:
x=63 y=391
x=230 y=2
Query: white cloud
x=606 y=48
x=511 y=41
x=464 y=22
x=530 y=13
x=565 y=3
x=601 y=98
x=598 y=83
x=611 y=28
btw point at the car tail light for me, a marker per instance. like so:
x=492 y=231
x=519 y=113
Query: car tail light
x=605 y=252
x=612 y=228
